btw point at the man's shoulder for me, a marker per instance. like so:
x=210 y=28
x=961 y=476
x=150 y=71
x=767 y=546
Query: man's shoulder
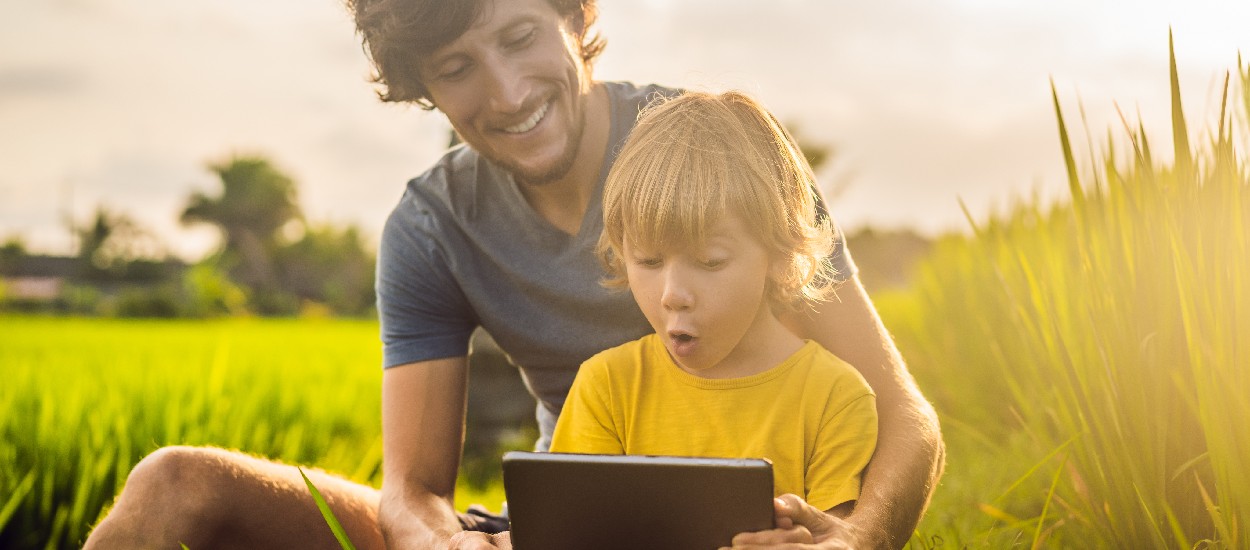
x=447 y=190
x=628 y=95
x=460 y=166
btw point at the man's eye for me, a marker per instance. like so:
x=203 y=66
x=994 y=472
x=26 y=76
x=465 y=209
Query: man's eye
x=522 y=41
x=453 y=73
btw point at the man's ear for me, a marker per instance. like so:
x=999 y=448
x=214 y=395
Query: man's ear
x=577 y=23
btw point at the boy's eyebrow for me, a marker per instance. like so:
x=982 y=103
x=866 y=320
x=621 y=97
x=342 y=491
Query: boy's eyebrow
x=721 y=235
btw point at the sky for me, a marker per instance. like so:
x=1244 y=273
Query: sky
x=123 y=103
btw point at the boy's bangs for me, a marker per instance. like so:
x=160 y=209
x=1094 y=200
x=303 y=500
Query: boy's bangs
x=677 y=195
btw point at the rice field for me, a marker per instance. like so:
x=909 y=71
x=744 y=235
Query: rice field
x=1090 y=362
x=82 y=400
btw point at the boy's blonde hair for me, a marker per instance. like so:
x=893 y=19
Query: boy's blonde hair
x=692 y=160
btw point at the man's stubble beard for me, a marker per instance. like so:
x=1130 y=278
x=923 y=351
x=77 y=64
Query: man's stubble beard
x=562 y=165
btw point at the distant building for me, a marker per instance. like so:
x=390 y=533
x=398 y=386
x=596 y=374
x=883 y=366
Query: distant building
x=35 y=282
x=32 y=289
x=36 y=278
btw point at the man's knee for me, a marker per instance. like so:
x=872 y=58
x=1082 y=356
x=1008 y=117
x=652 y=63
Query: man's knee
x=179 y=480
x=173 y=493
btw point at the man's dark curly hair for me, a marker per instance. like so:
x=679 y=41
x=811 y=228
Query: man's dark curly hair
x=395 y=34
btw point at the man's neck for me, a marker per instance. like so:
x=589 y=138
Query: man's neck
x=563 y=202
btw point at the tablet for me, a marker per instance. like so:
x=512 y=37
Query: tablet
x=560 y=501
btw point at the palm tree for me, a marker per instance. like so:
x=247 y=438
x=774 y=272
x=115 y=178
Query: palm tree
x=256 y=202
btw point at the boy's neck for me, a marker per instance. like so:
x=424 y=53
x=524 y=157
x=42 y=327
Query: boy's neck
x=766 y=347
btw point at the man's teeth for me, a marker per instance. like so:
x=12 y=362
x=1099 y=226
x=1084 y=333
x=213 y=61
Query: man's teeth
x=529 y=123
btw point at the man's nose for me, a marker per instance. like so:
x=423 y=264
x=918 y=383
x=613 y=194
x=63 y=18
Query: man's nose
x=677 y=294
x=507 y=88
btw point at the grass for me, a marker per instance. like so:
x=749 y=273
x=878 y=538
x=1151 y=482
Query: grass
x=1108 y=334
x=82 y=400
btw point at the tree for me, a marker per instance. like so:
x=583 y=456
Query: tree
x=12 y=251
x=114 y=247
x=257 y=201
x=331 y=267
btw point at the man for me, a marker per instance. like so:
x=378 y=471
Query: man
x=499 y=234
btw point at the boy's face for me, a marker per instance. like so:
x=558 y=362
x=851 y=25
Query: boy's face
x=707 y=303
x=514 y=86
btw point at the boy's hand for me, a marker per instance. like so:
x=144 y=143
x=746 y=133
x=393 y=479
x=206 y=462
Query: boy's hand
x=475 y=540
x=799 y=523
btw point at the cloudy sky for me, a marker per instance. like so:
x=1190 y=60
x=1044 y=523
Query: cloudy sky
x=121 y=103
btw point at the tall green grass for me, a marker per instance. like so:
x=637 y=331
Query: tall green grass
x=1111 y=336
x=82 y=401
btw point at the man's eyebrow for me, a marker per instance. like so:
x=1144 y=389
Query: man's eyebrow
x=449 y=50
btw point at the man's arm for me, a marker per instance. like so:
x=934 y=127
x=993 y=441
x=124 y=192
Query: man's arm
x=423 y=412
x=910 y=454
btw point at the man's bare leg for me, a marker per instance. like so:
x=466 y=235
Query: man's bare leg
x=213 y=498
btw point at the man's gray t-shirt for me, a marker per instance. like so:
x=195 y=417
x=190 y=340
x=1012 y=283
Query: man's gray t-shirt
x=464 y=249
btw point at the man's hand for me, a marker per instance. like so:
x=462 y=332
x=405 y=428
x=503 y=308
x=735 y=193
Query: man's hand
x=474 y=540
x=800 y=526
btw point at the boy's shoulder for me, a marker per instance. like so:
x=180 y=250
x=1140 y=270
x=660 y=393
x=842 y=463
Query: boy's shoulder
x=823 y=368
x=623 y=359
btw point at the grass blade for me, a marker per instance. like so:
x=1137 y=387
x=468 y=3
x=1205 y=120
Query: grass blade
x=15 y=499
x=1050 y=496
x=1180 y=131
x=1074 y=181
x=326 y=513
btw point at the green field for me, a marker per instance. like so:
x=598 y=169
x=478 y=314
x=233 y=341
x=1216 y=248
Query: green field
x=1090 y=363
x=83 y=400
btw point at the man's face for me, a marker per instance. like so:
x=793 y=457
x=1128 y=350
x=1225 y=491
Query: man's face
x=514 y=87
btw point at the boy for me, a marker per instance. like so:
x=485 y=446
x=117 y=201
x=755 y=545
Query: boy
x=710 y=220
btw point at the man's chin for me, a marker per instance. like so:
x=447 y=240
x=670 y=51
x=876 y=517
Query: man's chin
x=541 y=175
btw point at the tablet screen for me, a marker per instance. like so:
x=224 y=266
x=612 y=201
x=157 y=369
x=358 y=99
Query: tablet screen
x=560 y=501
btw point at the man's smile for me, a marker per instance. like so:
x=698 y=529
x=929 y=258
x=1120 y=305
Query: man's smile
x=529 y=123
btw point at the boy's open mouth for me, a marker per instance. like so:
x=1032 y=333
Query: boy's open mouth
x=683 y=342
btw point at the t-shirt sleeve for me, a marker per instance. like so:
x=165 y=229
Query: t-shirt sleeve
x=844 y=445
x=586 y=422
x=423 y=313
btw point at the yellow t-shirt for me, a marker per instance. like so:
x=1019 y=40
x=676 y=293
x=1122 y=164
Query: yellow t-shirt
x=813 y=416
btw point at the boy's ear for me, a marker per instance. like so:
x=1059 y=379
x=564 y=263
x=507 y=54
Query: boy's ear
x=778 y=267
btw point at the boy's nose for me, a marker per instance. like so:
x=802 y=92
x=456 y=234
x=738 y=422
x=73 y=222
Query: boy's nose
x=677 y=296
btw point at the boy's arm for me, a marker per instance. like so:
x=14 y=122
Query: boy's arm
x=423 y=411
x=910 y=454
x=585 y=424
